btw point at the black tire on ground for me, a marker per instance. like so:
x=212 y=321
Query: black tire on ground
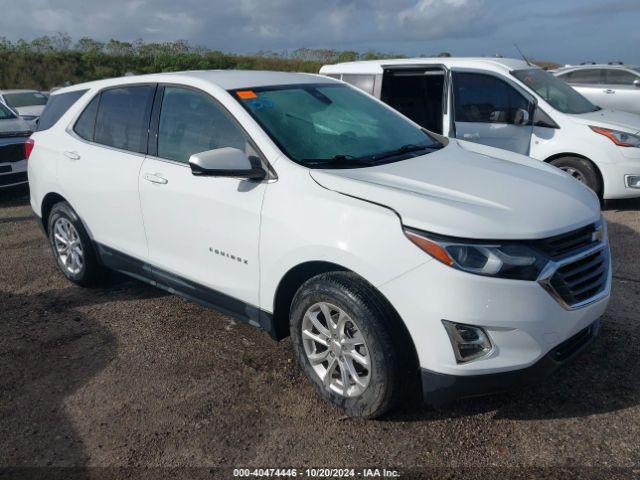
x=582 y=170
x=390 y=376
x=92 y=272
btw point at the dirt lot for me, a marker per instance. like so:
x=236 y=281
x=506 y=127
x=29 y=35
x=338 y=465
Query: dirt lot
x=128 y=376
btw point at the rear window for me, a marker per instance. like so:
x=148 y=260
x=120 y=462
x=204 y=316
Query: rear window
x=25 y=99
x=56 y=108
x=123 y=117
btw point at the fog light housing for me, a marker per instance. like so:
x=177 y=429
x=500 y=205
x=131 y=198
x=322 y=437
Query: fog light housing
x=632 y=181
x=468 y=342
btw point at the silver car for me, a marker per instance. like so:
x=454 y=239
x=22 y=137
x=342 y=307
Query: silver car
x=613 y=85
x=14 y=133
x=28 y=103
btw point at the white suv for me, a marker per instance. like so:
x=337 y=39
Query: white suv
x=392 y=256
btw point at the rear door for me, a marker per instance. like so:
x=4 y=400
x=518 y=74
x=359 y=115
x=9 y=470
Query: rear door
x=589 y=82
x=620 y=91
x=491 y=111
x=99 y=167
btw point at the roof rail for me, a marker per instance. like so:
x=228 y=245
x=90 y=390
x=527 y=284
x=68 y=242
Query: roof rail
x=616 y=63
x=587 y=63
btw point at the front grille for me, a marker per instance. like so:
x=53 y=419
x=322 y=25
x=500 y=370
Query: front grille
x=12 y=178
x=566 y=243
x=13 y=152
x=574 y=344
x=578 y=281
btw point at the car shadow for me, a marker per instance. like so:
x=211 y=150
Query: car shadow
x=602 y=379
x=14 y=196
x=622 y=205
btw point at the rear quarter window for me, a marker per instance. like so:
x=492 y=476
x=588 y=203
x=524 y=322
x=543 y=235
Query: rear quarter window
x=56 y=107
x=123 y=117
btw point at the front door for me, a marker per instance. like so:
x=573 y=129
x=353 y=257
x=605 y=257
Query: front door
x=490 y=111
x=203 y=232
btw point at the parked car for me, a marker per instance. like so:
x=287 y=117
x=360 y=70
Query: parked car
x=613 y=85
x=392 y=256
x=14 y=133
x=28 y=103
x=512 y=105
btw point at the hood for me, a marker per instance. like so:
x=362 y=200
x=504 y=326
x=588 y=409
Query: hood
x=14 y=126
x=32 y=110
x=459 y=192
x=627 y=122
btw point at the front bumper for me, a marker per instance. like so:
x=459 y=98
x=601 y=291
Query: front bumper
x=439 y=388
x=522 y=319
x=615 y=174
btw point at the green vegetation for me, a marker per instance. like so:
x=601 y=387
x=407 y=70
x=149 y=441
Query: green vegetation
x=52 y=61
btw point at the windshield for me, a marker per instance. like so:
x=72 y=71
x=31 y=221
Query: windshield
x=333 y=125
x=555 y=91
x=5 y=113
x=25 y=99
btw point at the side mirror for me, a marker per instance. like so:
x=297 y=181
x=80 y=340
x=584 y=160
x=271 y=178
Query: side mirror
x=636 y=83
x=226 y=162
x=521 y=117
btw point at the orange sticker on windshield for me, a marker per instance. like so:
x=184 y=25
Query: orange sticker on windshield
x=246 y=94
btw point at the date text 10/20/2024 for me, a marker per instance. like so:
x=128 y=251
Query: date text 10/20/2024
x=317 y=472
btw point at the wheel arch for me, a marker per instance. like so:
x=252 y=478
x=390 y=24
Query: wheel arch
x=49 y=200
x=577 y=155
x=296 y=276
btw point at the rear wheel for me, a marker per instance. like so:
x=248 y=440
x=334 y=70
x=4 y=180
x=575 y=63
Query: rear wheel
x=582 y=170
x=341 y=335
x=72 y=248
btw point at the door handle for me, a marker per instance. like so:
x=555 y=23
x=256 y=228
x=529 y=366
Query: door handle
x=471 y=136
x=71 y=155
x=609 y=91
x=155 y=178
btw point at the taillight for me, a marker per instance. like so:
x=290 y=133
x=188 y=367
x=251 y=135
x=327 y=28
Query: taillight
x=28 y=147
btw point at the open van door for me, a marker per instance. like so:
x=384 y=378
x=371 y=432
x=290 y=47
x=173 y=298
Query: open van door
x=418 y=92
x=488 y=109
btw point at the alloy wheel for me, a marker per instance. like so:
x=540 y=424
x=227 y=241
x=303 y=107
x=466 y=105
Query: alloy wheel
x=68 y=246
x=336 y=349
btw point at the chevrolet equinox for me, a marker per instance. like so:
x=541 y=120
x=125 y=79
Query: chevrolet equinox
x=392 y=256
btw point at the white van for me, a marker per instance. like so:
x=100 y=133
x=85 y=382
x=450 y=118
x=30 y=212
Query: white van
x=509 y=104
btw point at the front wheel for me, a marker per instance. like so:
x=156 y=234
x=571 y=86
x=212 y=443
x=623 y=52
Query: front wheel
x=582 y=170
x=340 y=331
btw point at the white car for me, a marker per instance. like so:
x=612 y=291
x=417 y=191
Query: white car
x=513 y=105
x=393 y=257
x=14 y=133
x=28 y=103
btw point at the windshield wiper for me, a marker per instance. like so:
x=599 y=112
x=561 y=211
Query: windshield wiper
x=408 y=148
x=339 y=160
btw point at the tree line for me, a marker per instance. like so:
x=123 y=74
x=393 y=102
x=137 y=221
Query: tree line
x=53 y=61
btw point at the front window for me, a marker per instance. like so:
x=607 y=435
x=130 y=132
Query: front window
x=25 y=99
x=333 y=125
x=5 y=113
x=554 y=91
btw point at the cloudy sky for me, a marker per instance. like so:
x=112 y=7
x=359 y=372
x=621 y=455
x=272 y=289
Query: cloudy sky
x=560 y=30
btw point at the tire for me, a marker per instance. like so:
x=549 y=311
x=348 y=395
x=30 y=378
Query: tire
x=369 y=314
x=81 y=266
x=582 y=170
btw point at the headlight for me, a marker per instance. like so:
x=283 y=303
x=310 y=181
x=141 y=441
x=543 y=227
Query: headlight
x=622 y=139
x=504 y=259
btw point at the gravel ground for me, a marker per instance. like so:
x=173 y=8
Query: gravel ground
x=128 y=376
